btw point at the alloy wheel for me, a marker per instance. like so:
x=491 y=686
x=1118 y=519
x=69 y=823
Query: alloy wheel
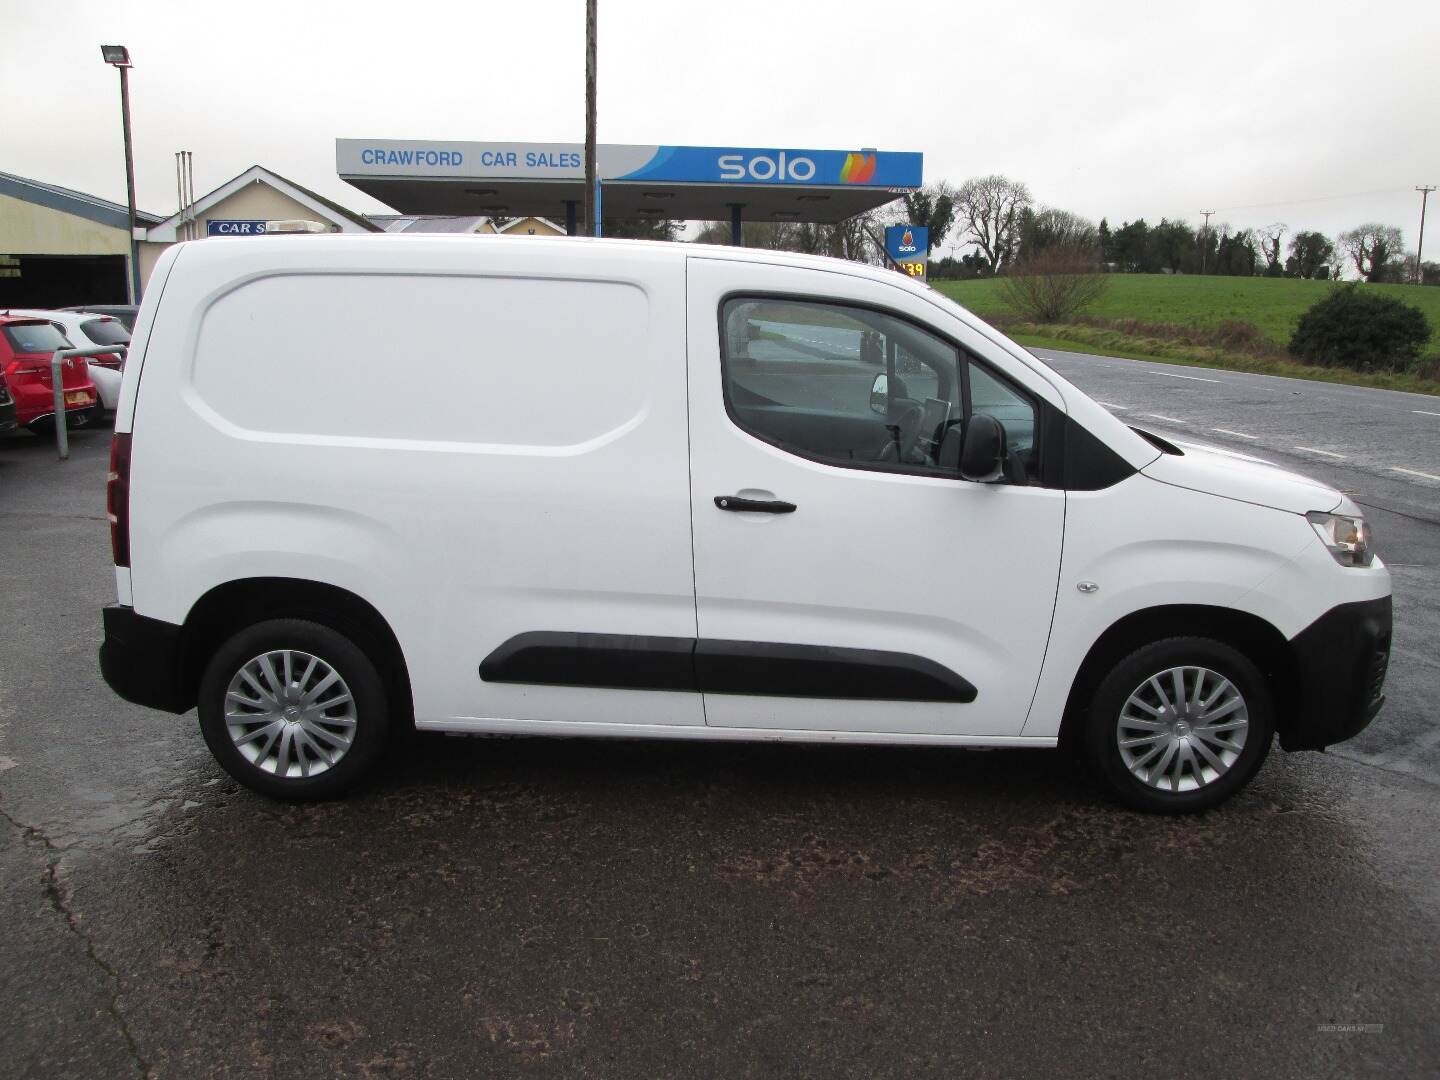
x=1182 y=728
x=290 y=714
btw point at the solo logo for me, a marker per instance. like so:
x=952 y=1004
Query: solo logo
x=858 y=168
x=763 y=167
x=907 y=241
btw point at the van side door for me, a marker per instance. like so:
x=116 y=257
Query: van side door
x=847 y=578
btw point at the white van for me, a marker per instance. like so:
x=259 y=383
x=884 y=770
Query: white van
x=611 y=488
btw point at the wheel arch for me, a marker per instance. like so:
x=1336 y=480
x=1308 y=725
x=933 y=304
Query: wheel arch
x=232 y=606
x=1261 y=642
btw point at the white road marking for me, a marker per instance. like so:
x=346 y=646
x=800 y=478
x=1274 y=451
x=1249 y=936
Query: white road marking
x=1327 y=453
x=1192 y=378
x=1422 y=412
x=1413 y=472
x=1237 y=434
x=1167 y=419
x=1111 y=405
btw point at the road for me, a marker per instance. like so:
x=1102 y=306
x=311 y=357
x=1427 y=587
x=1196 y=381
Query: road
x=1379 y=446
x=536 y=907
x=1391 y=436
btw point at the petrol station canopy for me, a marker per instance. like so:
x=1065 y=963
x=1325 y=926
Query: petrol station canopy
x=704 y=183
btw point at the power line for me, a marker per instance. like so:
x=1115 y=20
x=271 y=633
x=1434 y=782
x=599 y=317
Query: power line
x=1205 y=239
x=1317 y=198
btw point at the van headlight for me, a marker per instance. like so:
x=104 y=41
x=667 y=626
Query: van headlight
x=1348 y=538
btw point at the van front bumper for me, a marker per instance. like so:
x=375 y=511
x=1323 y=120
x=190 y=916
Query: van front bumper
x=1340 y=660
x=140 y=660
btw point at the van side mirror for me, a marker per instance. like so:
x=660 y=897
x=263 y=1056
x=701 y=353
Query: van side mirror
x=982 y=452
x=880 y=395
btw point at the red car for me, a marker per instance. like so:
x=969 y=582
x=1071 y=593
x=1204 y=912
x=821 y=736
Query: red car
x=7 y=407
x=26 y=345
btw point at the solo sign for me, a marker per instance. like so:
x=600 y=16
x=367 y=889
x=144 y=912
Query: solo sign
x=909 y=248
x=782 y=167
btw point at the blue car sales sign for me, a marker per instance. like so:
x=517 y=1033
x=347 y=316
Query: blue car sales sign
x=908 y=247
x=234 y=227
x=661 y=164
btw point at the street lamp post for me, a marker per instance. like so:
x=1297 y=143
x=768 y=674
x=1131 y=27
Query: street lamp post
x=118 y=56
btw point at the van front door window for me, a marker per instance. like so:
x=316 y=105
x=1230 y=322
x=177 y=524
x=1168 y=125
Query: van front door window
x=852 y=386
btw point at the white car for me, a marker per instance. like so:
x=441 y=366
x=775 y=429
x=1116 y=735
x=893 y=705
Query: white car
x=86 y=330
x=692 y=492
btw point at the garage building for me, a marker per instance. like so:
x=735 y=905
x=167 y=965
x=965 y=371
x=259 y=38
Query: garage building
x=60 y=247
x=241 y=206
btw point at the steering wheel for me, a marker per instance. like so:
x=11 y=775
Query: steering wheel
x=901 y=436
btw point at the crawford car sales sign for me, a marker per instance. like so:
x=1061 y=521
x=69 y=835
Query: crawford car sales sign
x=670 y=164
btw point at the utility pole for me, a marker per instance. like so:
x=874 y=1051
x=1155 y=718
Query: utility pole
x=1205 y=240
x=1420 y=247
x=592 y=225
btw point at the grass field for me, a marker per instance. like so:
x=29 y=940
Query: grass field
x=1274 y=305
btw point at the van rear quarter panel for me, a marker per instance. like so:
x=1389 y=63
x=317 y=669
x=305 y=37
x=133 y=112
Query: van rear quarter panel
x=477 y=439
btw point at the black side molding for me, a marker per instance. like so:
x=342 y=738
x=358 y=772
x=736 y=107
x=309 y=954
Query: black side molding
x=607 y=661
x=769 y=669
x=759 y=668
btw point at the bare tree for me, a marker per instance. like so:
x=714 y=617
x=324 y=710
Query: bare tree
x=1268 y=240
x=989 y=208
x=1369 y=247
x=1054 y=284
x=854 y=238
x=713 y=232
x=641 y=228
x=771 y=235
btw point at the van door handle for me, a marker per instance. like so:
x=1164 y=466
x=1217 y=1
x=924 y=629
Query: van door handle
x=754 y=506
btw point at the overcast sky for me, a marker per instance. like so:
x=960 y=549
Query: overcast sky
x=1319 y=114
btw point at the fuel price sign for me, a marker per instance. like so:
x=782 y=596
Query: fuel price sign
x=909 y=248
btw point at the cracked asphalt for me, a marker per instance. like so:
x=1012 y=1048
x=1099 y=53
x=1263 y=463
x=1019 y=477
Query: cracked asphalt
x=537 y=907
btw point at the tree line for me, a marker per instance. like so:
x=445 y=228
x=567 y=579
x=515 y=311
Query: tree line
x=1005 y=228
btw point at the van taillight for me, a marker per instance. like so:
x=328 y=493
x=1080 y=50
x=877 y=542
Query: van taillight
x=117 y=498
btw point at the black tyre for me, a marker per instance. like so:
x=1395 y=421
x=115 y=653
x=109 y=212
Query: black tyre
x=1179 y=725
x=293 y=709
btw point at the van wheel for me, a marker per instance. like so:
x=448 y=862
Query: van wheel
x=1179 y=725
x=293 y=709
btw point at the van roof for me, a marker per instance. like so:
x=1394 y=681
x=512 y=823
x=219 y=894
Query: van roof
x=223 y=248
